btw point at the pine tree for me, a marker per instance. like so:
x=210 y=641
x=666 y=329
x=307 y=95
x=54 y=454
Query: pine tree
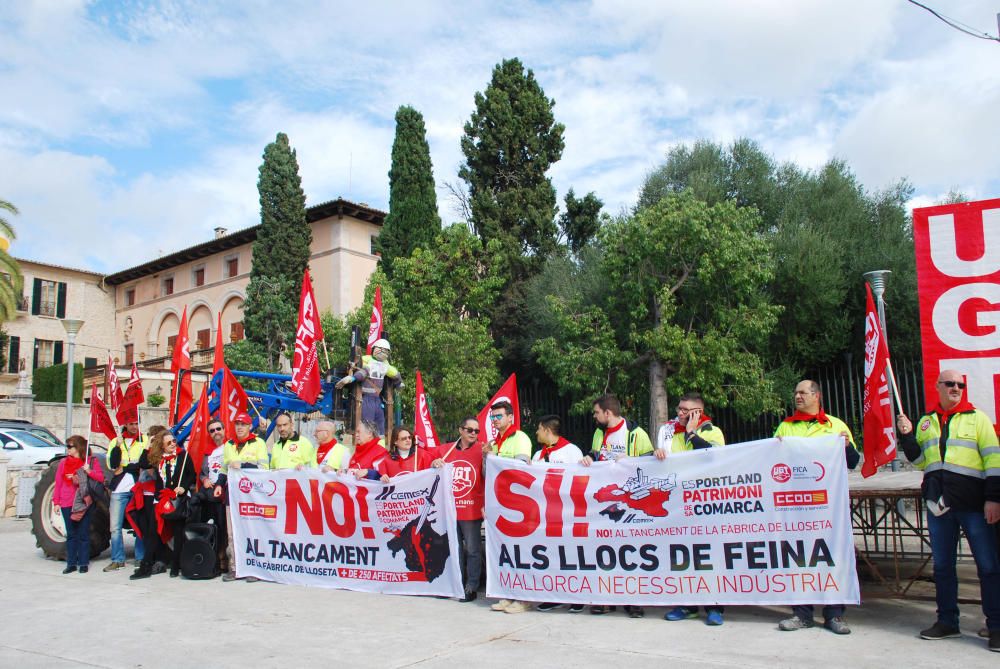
x=280 y=254
x=413 y=220
x=510 y=142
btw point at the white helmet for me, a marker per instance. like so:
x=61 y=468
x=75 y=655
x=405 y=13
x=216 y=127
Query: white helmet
x=381 y=343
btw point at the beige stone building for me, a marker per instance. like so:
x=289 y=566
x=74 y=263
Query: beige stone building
x=53 y=293
x=135 y=314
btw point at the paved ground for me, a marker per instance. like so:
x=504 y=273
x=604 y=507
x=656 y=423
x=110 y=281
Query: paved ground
x=105 y=620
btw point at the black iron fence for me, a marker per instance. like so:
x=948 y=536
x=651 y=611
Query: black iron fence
x=842 y=386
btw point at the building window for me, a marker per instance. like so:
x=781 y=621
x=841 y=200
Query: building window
x=48 y=298
x=373 y=246
x=129 y=297
x=129 y=353
x=204 y=339
x=168 y=286
x=198 y=276
x=236 y=332
x=47 y=353
x=170 y=345
x=14 y=355
x=232 y=266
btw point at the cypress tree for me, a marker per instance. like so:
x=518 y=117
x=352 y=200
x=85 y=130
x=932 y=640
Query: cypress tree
x=413 y=220
x=280 y=253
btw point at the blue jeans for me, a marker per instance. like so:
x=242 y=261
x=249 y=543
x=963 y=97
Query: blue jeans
x=982 y=540
x=119 y=500
x=77 y=537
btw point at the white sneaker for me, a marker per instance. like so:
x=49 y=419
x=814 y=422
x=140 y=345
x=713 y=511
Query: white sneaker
x=518 y=607
x=502 y=605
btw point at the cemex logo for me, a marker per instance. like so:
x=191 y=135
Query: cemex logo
x=390 y=493
x=265 y=511
x=793 y=498
x=267 y=487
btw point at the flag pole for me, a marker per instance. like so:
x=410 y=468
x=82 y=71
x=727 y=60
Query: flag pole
x=877 y=280
x=326 y=354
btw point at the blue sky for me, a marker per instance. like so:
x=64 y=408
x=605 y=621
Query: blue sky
x=131 y=129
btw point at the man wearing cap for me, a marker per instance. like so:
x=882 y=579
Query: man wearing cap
x=375 y=370
x=248 y=450
x=123 y=461
x=291 y=451
x=956 y=447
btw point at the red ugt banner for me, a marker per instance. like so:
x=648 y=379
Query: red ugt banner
x=880 y=439
x=958 y=280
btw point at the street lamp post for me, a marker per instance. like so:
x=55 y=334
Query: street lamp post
x=72 y=327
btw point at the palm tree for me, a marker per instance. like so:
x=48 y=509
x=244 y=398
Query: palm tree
x=11 y=281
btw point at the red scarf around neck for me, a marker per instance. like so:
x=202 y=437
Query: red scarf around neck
x=363 y=450
x=608 y=431
x=549 y=450
x=71 y=467
x=806 y=417
x=503 y=437
x=963 y=406
x=324 y=449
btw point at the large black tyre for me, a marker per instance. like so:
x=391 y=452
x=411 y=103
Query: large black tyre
x=47 y=524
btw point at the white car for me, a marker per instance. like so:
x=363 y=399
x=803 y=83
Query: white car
x=24 y=448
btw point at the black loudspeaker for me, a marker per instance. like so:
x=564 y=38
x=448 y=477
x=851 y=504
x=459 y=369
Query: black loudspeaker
x=198 y=557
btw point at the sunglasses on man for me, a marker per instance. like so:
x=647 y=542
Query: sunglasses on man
x=952 y=384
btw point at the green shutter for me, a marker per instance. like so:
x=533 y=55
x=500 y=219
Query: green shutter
x=36 y=298
x=15 y=354
x=61 y=301
x=57 y=353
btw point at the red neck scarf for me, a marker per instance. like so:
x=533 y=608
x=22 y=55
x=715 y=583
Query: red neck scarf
x=503 y=437
x=71 y=467
x=801 y=416
x=324 y=449
x=945 y=415
x=608 y=431
x=362 y=450
x=241 y=444
x=708 y=419
x=549 y=450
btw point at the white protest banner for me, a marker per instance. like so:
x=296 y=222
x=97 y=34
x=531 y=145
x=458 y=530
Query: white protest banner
x=766 y=522
x=328 y=530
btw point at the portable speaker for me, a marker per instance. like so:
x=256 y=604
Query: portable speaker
x=198 y=557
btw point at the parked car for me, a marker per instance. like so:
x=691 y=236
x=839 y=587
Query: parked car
x=26 y=448
x=37 y=430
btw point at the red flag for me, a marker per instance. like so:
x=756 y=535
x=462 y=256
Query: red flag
x=219 y=361
x=424 y=433
x=100 y=420
x=199 y=442
x=133 y=394
x=879 y=437
x=508 y=392
x=181 y=398
x=114 y=387
x=375 y=326
x=232 y=403
x=305 y=360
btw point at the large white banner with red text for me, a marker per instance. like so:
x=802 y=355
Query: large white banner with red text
x=958 y=280
x=328 y=530
x=765 y=522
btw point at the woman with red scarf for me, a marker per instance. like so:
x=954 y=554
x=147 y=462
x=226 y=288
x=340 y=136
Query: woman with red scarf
x=173 y=474
x=404 y=457
x=368 y=452
x=69 y=475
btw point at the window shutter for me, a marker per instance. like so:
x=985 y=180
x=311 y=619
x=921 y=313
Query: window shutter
x=15 y=354
x=89 y=362
x=61 y=301
x=36 y=297
x=57 y=352
x=34 y=360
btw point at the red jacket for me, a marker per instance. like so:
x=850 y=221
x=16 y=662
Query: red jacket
x=419 y=459
x=468 y=485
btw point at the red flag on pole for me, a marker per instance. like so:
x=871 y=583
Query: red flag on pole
x=424 y=433
x=880 y=439
x=305 y=360
x=100 y=420
x=133 y=394
x=219 y=359
x=232 y=403
x=508 y=392
x=199 y=442
x=181 y=397
x=114 y=387
x=375 y=326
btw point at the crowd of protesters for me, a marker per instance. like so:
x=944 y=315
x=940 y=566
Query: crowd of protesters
x=154 y=485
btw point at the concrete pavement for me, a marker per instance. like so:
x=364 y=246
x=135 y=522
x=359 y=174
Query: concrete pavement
x=105 y=620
